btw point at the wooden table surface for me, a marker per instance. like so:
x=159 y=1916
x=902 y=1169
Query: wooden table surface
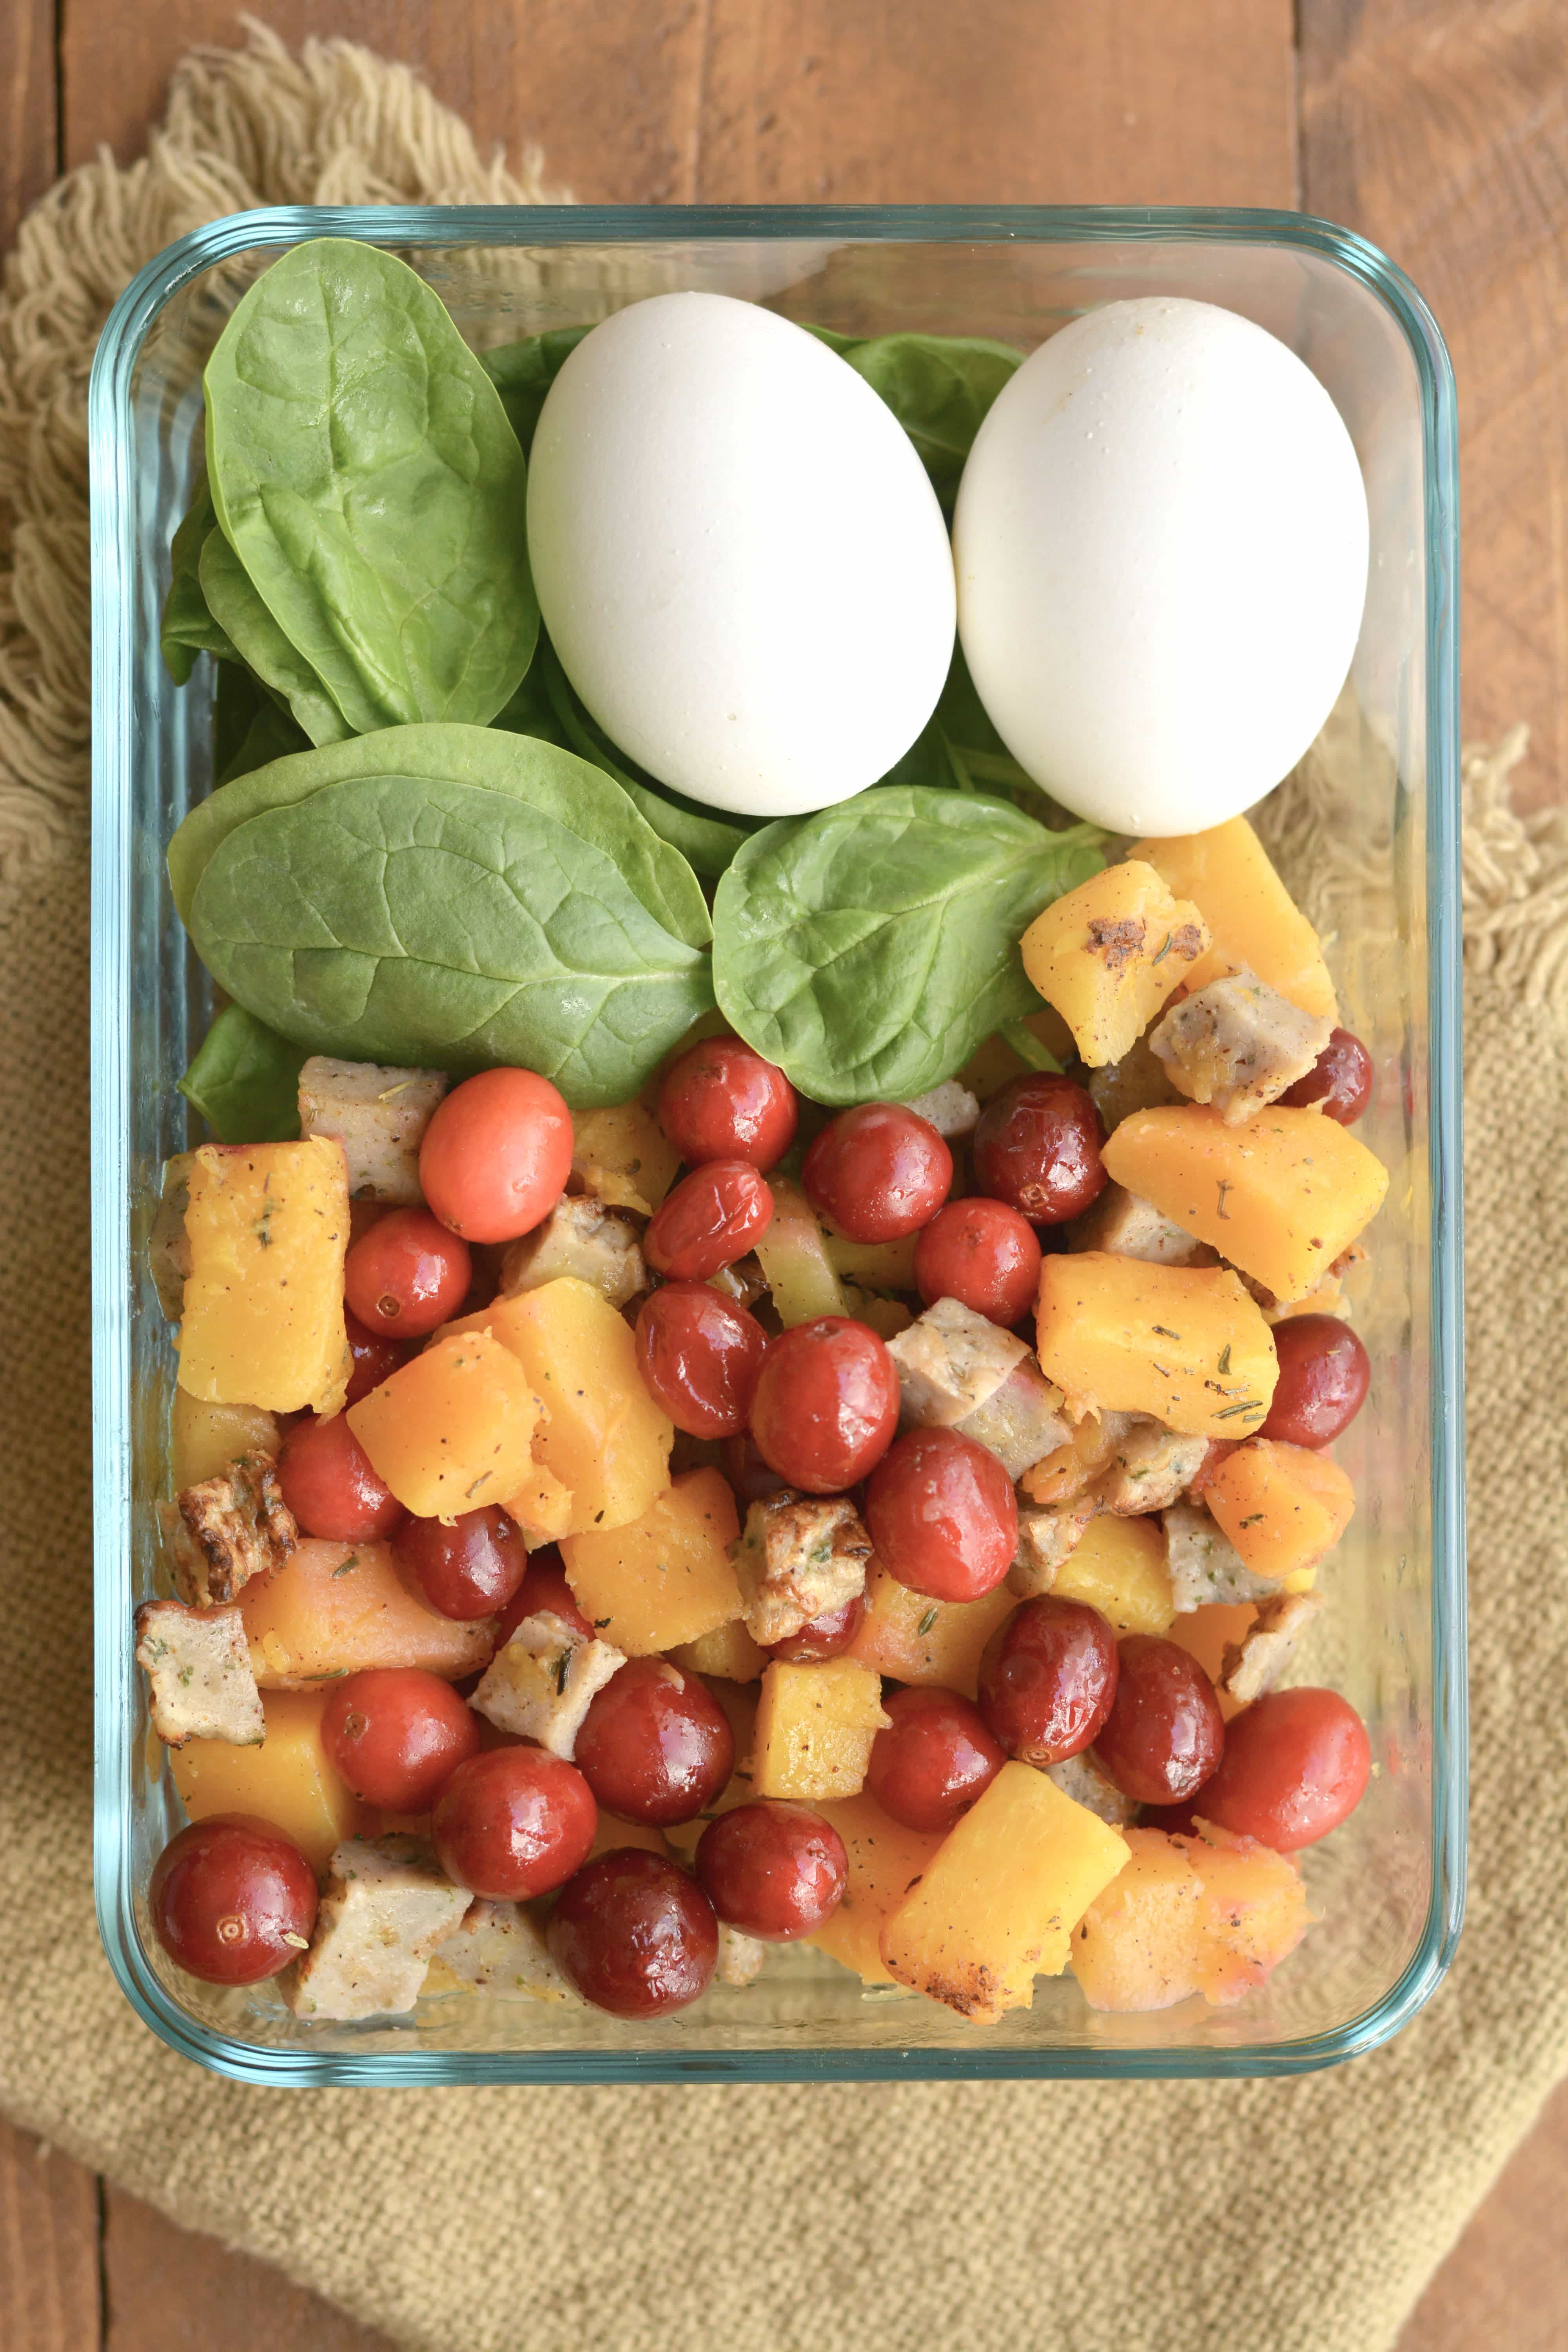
x=1437 y=128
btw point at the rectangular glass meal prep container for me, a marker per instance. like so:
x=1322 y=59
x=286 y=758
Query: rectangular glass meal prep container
x=1389 y=1886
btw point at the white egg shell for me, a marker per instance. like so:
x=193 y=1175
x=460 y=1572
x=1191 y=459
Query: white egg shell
x=1161 y=540
x=739 y=557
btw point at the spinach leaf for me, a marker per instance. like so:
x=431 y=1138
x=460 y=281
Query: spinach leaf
x=261 y=645
x=396 y=919
x=523 y=373
x=555 y=782
x=245 y=1080
x=871 y=948
x=187 y=628
x=272 y=735
x=940 y=388
x=959 y=750
x=365 y=476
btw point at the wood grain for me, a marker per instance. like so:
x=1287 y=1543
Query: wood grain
x=1505 y=2281
x=29 y=123
x=1440 y=128
x=49 y=2249
x=168 y=2290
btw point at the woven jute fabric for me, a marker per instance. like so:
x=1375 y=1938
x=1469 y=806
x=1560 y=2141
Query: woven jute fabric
x=1296 y=2215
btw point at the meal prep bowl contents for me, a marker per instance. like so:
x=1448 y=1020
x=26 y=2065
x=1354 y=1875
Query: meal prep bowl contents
x=740 y=1382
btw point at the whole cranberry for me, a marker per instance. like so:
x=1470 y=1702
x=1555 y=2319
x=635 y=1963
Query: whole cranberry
x=1036 y=1147
x=1048 y=1678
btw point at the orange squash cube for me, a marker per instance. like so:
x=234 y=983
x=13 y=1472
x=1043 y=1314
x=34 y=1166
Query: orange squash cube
x=289 y=1780
x=206 y=1439
x=267 y=1225
x=814 y=1728
x=1207 y=1632
x=623 y=1157
x=1118 y=1566
x=1252 y=918
x=335 y=1608
x=1282 y=1506
x=665 y=1577
x=727 y=1652
x=453 y=1430
x=1110 y=953
x=1211 y=1914
x=913 y=1640
x=1187 y=1344
x=885 y=1860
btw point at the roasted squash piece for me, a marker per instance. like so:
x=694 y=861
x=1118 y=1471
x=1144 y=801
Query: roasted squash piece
x=1185 y=1344
x=792 y=1255
x=665 y=1577
x=728 y=1650
x=885 y=1860
x=1251 y=917
x=1118 y=1566
x=914 y=1640
x=623 y=1157
x=1283 y=1506
x=269 y=1229
x=1211 y=1914
x=814 y=1728
x=206 y=1439
x=453 y=1430
x=1281 y=1197
x=289 y=1780
x=336 y=1608
x=1109 y=954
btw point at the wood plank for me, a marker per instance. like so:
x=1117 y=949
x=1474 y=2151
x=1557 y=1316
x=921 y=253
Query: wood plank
x=169 y=2291
x=29 y=124
x=1505 y=2281
x=1439 y=129
x=49 y=2249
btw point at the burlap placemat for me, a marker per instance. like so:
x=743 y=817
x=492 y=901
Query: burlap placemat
x=1296 y=2216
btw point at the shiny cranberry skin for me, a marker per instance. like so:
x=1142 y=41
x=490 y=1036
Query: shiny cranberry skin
x=749 y=1476
x=982 y=1253
x=635 y=1935
x=699 y=1356
x=943 y=1515
x=396 y=1734
x=878 y=1172
x=655 y=1745
x=824 y=1637
x=1295 y=1766
x=513 y=1823
x=326 y=1480
x=1164 y=1734
x=712 y=1217
x=827 y=1404
x=1048 y=1678
x=1340 y=1081
x=406 y=1275
x=1324 y=1376
x=934 y=1760
x=376 y=1357
x=1037 y=1147
x=773 y=1870
x=231 y=1900
x=721 y=1101
x=467 y=1566
x=543 y=1592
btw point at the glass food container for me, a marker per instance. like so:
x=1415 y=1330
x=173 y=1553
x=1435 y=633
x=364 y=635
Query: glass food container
x=1389 y=1886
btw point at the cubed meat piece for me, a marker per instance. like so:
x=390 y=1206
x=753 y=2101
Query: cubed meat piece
x=1023 y=1421
x=951 y=1108
x=1137 y=1082
x=1049 y=1534
x=1255 y=1663
x=798 y=1556
x=1081 y=1779
x=498 y=1948
x=378 y=1115
x=951 y=1361
x=541 y=1683
x=1203 y=1565
x=1238 y=1045
x=1130 y=1227
x=1072 y=1469
x=168 y=1243
x=582 y=1238
x=198 y=1669
x=742 y=1958
x=386 y=1909
x=224 y=1531
x=1151 y=1467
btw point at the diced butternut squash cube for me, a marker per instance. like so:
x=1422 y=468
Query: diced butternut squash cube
x=1251 y=917
x=1283 y=1506
x=999 y=1900
x=205 y=1440
x=541 y=1505
x=1118 y=1566
x=1211 y=1914
x=792 y=1255
x=727 y=1652
x=600 y=1435
x=336 y=1608
x=1110 y=953
x=885 y=1860
x=1207 y=1632
x=814 y=1728
x=913 y=1640
x=269 y=1229
x=874 y=1265
x=288 y=1780
x=623 y=1157
x=665 y=1577
x=1280 y=1198
x=1184 y=1343
x=453 y=1430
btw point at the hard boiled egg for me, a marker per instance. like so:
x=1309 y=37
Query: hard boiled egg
x=1161 y=538
x=739 y=558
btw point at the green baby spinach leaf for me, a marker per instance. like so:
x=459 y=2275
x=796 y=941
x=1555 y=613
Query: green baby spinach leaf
x=366 y=477
x=557 y=783
x=261 y=645
x=958 y=749
x=245 y=1080
x=272 y=735
x=187 y=628
x=397 y=918
x=869 y=949
x=940 y=388
x=522 y=372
